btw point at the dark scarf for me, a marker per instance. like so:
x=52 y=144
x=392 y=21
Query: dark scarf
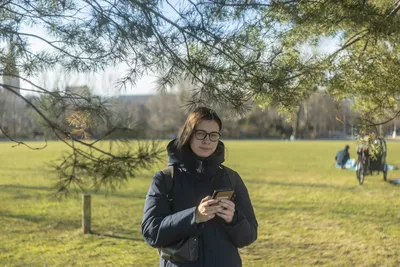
x=203 y=168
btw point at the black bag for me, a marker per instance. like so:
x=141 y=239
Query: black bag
x=185 y=250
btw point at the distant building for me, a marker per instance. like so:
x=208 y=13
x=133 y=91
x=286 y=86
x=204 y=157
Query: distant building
x=82 y=90
x=136 y=99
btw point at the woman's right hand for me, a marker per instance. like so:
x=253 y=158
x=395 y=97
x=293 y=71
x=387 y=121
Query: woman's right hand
x=207 y=209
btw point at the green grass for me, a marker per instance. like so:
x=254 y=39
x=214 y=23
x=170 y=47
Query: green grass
x=309 y=212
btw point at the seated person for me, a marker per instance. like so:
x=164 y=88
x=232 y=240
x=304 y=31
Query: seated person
x=342 y=156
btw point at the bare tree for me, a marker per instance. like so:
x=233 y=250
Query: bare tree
x=167 y=114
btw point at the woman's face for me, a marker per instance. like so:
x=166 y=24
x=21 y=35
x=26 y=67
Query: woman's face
x=208 y=131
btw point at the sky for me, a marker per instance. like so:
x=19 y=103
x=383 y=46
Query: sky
x=101 y=83
x=104 y=83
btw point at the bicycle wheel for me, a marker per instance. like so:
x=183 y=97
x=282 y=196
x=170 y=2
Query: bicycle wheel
x=360 y=172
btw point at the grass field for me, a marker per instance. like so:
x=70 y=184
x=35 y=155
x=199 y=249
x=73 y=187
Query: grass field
x=309 y=212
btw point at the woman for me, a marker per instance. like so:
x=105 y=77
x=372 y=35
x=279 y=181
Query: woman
x=222 y=226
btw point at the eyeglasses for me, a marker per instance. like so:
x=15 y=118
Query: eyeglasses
x=201 y=135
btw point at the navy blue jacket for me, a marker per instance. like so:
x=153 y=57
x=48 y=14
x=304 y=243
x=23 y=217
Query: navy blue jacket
x=342 y=156
x=194 y=180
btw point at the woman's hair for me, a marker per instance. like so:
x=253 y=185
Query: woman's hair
x=193 y=119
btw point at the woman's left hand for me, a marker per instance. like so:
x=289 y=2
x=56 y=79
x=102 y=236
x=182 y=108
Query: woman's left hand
x=228 y=211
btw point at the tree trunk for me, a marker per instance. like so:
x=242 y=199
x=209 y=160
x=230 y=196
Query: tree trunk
x=296 y=124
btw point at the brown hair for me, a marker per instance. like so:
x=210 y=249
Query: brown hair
x=193 y=119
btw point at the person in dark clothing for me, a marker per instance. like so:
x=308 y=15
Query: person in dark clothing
x=222 y=226
x=342 y=156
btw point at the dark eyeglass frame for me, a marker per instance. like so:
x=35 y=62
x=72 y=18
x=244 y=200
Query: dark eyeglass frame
x=207 y=134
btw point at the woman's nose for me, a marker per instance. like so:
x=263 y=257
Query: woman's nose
x=206 y=140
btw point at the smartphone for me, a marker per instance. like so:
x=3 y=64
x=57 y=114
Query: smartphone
x=225 y=193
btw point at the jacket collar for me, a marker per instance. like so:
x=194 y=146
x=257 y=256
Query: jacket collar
x=202 y=167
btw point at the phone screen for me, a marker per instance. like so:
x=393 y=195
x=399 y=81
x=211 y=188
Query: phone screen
x=223 y=194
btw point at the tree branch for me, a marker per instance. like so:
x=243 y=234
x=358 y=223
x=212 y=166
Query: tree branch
x=396 y=8
x=20 y=142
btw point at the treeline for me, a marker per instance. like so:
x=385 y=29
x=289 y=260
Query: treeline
x=160 y=116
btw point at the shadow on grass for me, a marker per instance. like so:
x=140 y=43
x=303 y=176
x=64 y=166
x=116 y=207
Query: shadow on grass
x=25 y=217
x=4 y=187
x=306 y=185
x=20 y=170
x=16 y=188
x=48 y=222
x=361 y=212
x=28 y=192
x=115 y=236
x=127 y=195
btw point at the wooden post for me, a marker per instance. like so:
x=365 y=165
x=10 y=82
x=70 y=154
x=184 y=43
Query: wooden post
x=86 y=214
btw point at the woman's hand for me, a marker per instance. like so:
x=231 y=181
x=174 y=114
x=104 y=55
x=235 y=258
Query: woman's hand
x=228 y=210
x=207 y=209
